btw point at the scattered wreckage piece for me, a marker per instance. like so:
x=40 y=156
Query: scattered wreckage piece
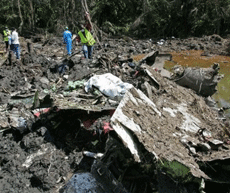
x=99 y=180
x=114 y=87
x=159 y=64
x=157 y=61
x=152 y=79
x=201 y=80
x=82 y=182
x=94 y=104
x=3 y=58
x=18 y=118
x=4 y=124
x=171 y=131
x=149 y=58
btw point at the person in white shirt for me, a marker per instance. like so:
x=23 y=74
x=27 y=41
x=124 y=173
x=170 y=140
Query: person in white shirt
x=15 y=43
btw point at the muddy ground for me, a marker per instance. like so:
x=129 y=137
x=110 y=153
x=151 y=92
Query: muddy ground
x=43 y=155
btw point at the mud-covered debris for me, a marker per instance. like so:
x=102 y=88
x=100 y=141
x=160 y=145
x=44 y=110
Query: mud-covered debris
x=91 y=154
x=16 y=118
x=149 y=58
x=77 y=100
x=4 y=124
x=38 y=112
x=114 y=87
x=202 y=80
x=82 y=182
x=162 y=129
x=93 y=182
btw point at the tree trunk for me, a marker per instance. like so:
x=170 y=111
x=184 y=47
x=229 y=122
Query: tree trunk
x=64 y=12
x=32 y=14
x=85 y=7
x=73 y=14
x=144 y=6
x=20 y=15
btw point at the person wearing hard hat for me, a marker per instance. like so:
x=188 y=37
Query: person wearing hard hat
x=87 y=40
x=67 y=39
x=15 y=47
x=6 y=34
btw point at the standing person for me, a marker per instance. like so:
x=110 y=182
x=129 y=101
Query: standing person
x=87 y=41
x=67 y=38
x=86 y=38
x=15 y=43
x=6 y=34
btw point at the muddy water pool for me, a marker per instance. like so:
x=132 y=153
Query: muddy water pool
x=193 y=58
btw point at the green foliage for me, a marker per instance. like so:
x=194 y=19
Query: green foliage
x=113 y=29
x=146 y=18
x=49 y=15
x=118 y=12
x=176 y=170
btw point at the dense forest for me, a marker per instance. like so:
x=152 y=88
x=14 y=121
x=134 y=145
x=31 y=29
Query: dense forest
x=142 y=18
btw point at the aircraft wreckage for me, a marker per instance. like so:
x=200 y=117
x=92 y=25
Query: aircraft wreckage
x=154 y=135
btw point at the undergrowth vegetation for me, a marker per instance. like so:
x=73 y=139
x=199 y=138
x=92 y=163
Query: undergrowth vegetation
x=142 y=18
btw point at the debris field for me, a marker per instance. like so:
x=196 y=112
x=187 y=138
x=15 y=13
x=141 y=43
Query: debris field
x=119 y=122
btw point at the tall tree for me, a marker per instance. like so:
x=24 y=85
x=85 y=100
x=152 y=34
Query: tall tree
x=31 y=14
x=20 y=15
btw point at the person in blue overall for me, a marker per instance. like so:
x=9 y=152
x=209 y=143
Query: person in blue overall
x=67 y=38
